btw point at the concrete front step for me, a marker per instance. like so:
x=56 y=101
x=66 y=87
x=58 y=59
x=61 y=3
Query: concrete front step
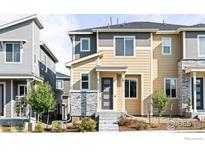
x=108 y=121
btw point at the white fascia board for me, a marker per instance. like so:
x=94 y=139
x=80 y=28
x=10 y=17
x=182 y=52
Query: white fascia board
x=190 y=29
x=68 y=64
x=32 y=17
x=77 y=33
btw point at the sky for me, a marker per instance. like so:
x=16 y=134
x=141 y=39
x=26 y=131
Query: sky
x=57 y=26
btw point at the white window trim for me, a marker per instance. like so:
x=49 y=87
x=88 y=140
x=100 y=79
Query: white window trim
x=81 y=49
x=129 y=88
x=81 y=81
x=198 y=46
x=62 y=84
x=4 y=84
x=170 y=89
x=21 y=52
x=170 y=39
x=124 y=37
x=19 y=88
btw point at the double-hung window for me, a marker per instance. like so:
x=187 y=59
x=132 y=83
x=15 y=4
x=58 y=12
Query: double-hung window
x=166 y=46
x=124 y=45
x=201 y=45
x=59 y=84
x=84 y=44
x=171 y=87
x=13 y=52
x=131 y=88
x=84 y=81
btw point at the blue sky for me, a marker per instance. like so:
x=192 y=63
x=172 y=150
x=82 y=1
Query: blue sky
x=56 y=27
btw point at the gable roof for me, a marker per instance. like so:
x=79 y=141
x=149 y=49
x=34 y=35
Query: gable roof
x=31 y=17
x=62 y=76
x=143 y=26
x=46 y=49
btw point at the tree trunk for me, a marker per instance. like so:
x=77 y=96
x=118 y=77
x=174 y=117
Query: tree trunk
x=38 y=117
x=47 y=119
x=159 y=118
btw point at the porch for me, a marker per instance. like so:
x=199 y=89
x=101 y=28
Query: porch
x=118 y=90
x=13 y=98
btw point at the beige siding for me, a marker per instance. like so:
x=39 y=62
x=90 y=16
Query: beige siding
x=85 y=66
x=165 y=66
x=133 y=106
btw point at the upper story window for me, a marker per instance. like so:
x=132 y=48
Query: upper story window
x=13 y=52
x=84 y=81
x=124 y=45
x=166 y=46
x=201 y=45
x=131 y=88
x=84 y=44
x=59 y=84
x=171 y=87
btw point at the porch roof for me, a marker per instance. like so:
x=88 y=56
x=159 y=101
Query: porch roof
x=100 y=68
x=194 y=69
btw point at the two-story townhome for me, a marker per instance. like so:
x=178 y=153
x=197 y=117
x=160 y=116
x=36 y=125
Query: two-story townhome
x=62 y=96
x=117 y=68
x=24 y=60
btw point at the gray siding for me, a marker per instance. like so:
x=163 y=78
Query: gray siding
x=93 y=49
x=191 y=46
x=20 y=31
x=142 y=39
x=47 y=71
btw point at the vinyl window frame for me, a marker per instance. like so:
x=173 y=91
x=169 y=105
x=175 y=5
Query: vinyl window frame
x=198 y=46
x=170 y=39
x=170 y=87
x=81 y=88
x=81 y=45
x=21 y=52
x=124 y=37
x=25 y=90
x=62 y=82
x=132 y=79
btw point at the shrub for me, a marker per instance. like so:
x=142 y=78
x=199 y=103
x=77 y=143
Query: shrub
x=141 y=125
x=58 y=126
x=39 y=128
x=87 y=125
x=124 y=122
x=76 y=124
x=203 y=126
x=155 y=125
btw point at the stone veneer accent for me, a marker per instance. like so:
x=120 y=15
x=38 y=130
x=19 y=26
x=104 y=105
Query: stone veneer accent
x=184 y=89
x=83 y=103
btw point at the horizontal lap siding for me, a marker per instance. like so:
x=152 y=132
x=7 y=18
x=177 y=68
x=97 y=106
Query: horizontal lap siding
x=85 y=66
x=140 y=63
x=133 y=106
x=166 y=66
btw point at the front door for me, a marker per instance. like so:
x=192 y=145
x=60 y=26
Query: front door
x=1 y=99
x=199 y=93
x=107 y=93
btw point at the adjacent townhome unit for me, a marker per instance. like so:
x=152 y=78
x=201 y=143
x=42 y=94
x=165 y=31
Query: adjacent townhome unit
x=117 y=68
x=24 y=60
x=62 y=96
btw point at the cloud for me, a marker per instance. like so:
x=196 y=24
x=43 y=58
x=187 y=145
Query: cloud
x=54 y=34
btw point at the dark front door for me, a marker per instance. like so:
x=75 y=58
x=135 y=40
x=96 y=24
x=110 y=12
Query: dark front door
x=199 y=93
x=107 y=93
x=1 y=99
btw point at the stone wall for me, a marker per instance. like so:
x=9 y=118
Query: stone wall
x=83 y=103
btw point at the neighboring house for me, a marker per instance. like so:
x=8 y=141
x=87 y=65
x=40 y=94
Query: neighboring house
x=62 y=95
x=117 y=68
x=23 y=60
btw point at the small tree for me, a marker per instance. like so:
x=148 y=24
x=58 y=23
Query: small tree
x=160 y=101
x=41 y=99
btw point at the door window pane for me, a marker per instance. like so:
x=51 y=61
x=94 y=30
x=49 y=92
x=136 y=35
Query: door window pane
x=170 y=88
x=133 y=88
x=126 y=88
